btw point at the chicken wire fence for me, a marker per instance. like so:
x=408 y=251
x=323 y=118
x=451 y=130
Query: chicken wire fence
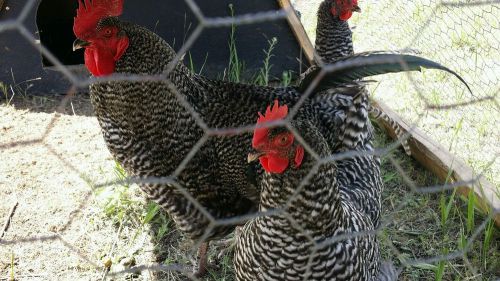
x=463 y=35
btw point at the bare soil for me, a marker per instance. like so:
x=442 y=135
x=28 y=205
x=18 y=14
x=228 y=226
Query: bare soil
x=49 y=162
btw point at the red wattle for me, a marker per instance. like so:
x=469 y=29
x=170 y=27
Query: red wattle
x=345 y=15
x=99 y=62
x=90 y=61
x=277 y=165
x=264 y=161
x=299 y=156
x=121 y=48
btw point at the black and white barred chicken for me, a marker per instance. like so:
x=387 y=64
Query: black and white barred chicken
x=334 y=41
x=318 y=233
x=151 y=133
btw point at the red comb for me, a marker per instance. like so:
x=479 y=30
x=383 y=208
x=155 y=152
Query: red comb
x=344 y=8
x=90 y=12
x=275 y=113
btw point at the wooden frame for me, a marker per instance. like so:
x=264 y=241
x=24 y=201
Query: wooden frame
x=444 y=165
x=299 y=31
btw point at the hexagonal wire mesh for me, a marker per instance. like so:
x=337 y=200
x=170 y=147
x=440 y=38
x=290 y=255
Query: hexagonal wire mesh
x=462 y=35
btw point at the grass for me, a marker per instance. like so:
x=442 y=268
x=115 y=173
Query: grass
x=14 y=89
x=192 y=67
x=5 y=92
x=466 y=39
x=12 y=267
x=424 y=226
x=262 y=78
x=235 y=67
x=9 y=91
x=134 y=219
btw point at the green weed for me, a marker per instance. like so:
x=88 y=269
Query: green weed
x=488 y=235
x=445 y=207
x=12 y=271
x=5 y=91
x=462 y=240
x=192 y=67
x=286 y=78
x=263 y=75
x=471 y=203
x=440 y=271
x=235 y=67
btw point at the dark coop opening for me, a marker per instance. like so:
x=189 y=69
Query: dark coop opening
x=54 y=20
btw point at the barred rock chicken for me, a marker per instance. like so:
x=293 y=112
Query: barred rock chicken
x=299 y=242
x=334 y=41
x=150 y=132
x=333 y=35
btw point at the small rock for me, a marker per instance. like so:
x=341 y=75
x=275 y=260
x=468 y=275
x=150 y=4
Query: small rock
x=107 y=263
x=128 y=262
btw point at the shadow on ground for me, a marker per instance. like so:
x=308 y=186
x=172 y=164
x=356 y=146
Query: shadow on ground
x=69 y=104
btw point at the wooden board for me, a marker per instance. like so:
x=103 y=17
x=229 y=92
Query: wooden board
x=444 y=165
x=299 y=31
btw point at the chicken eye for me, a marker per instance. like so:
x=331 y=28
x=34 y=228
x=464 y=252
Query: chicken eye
x=283 y=140
x=108 y=32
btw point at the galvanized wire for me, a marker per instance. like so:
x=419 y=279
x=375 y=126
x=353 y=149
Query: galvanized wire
x=441 y=18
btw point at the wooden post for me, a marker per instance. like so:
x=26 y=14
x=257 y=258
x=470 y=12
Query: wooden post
x=299 y=31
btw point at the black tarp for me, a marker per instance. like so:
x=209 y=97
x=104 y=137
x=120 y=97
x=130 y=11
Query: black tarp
x=50 y=22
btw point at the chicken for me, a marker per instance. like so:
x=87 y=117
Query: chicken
x=168 y=132
x=334 y=41
x=302 y=241
x=333 y=35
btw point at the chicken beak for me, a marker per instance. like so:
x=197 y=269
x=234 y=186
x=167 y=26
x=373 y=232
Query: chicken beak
x=79 y=43
x=252 y=156
x=356 y=8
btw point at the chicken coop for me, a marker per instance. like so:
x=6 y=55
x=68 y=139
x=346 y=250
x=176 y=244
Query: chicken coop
x=50 y=22
x=70 y=210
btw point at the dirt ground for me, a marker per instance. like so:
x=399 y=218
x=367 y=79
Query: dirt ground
x=55 y=234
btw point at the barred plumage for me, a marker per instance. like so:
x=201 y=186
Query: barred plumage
x=150 y=131
x=376 y=113
x=333 y=35
x=302 y=241
x=334 y=41
x=270 y=247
